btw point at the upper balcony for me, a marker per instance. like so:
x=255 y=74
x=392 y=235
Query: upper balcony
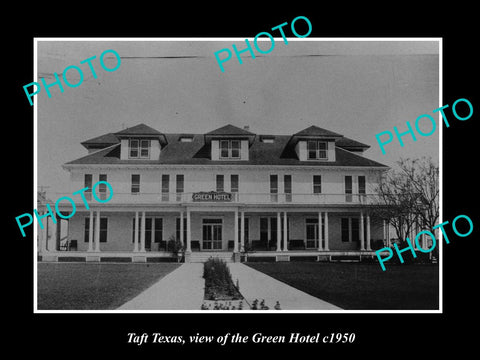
x=225 y=197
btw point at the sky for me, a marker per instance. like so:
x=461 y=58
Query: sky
x=355 y=88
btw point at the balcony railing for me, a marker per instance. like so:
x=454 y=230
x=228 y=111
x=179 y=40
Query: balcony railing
x=247 y=198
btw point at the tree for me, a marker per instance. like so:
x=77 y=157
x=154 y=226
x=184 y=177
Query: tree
x=409 y=196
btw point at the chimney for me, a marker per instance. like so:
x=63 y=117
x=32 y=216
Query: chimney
x=246 y=127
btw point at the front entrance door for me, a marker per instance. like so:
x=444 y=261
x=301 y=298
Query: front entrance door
x=212 y=234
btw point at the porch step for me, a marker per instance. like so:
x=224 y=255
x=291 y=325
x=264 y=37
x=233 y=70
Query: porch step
x=203 y=256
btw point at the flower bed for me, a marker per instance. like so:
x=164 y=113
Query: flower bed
x=220 y=291
x=218 y=281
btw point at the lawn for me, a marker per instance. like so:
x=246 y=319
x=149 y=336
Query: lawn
x=87 y=286
x=361 y=286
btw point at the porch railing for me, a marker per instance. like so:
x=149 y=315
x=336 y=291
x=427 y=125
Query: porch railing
x=248 y=198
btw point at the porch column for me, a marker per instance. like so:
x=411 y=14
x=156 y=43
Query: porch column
x=135 y=236
x=362 y=238
x=320 y=239
x=58 y=232
x=97 y=232
x=368 y=233
x=388 y=234
x=142 y=233
x=235 y=230
x=242 y=230
x=279 y=231
x=42 y=239
x=384 y=238
x=182 y=240
x=285 y=231
x=90 y=232
x=189 y=234
x=326 y=231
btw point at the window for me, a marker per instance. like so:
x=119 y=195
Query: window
x=102 y=188
x=267 y=139
x=220 y=184
x=103 y=229
x=153 y=230
x=180 y=185
x=133 y=146
x=317 y=184
x=234 y=183
x=165 y=187
x=139 y=148
x=186 y=139
x=287 y=184
x=355 y=229
x=135 y=183
x=348 y=188
x=350 y=229
x=224 y=148
x=361 y=185
x=144 y=148
x=235 y=148
x=88 y=183
x=264 y=231
x=230 y=149
x=345 y=230
x=158 y=233
x=317 y=150
x=274 y=188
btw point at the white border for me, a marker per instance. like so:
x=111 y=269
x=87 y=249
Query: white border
x=226 y=312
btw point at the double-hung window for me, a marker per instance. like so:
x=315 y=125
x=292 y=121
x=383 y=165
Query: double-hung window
x=102 y=188
x=348 y=188
x=317 y=150
x=273 y=188
x=287 y=184
x=362 y=188
x=180 y=186
x=165 y=187
x=135 y=188
x=230 y=149
x=317 y=184
x=88 y=184
x=220 y=183
x=139 y=149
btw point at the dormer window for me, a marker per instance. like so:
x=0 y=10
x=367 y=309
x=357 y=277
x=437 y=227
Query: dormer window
x=317 y=150
x=139 y=149
x=230 y=149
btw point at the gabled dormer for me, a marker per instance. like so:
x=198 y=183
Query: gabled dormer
x=229 y=143
x=141 y=142
x=315 y=144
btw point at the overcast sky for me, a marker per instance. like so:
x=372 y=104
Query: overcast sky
x=355 y=88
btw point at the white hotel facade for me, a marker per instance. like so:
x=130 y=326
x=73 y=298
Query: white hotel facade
x=228 y=193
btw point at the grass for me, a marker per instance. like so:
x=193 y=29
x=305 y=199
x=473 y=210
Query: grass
x=361 y=286
x=87 y=286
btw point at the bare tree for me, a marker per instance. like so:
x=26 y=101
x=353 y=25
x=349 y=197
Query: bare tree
x=423 y=175
x=409 y=196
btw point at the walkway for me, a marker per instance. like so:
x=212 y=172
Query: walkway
x=257 y=285
x=182 y=289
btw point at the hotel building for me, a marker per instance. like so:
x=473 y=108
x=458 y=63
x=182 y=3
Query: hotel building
x=228 y=193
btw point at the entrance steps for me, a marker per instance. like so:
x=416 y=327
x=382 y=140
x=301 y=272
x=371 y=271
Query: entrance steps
x=203 y=256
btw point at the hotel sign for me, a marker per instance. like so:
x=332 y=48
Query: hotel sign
x=216 y=196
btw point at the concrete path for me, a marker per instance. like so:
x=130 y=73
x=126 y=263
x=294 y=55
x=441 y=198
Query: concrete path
x=257 y=285
x=182 y=289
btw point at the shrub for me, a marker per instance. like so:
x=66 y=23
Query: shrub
x=218 y=281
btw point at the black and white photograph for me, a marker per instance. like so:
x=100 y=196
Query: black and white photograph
x=261 y=187
x=261 y=182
